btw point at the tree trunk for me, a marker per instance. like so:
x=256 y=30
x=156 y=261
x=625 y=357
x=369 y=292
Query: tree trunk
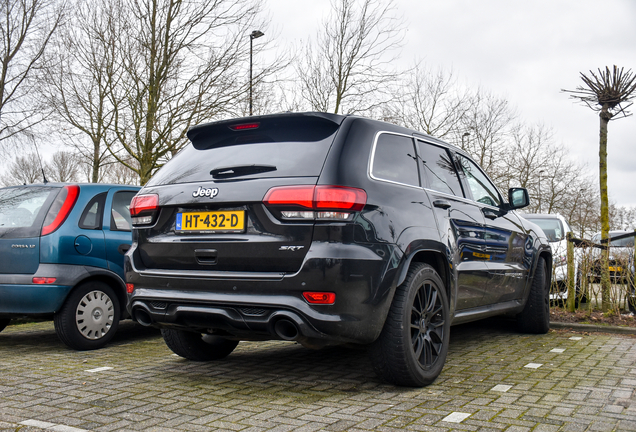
x=605 y=117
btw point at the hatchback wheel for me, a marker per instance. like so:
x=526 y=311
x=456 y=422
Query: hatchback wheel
x=89 y=318
x=413 y=345
x=197 y=346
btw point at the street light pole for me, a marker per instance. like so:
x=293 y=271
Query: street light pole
x=254 y=35
x=540 y=172
x=464 y=136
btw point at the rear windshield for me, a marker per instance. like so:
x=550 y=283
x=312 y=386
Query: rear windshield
x=22 y=210
x=623 y=242
x=552 y=228
x=287 y=147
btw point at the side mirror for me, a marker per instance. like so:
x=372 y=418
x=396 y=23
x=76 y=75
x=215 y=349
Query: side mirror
x=518 y=198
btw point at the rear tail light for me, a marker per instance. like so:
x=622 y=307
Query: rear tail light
x=144 y=209
x=44 y=280
x=317 y=202
x=60 y=209
x=245 y=126
x=320 y=297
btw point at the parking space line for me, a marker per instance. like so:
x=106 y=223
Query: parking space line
x=533 y=365
x=456 y=417
x=99 y=369
x=51 y=426
x=576 y=338
x=557 y=350
x=501 y=388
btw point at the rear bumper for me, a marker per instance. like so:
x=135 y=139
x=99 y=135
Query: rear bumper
x=253 y=306
x=20 y=300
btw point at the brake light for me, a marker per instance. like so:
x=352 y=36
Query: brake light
x=320 y=297
x=60 y=209
x=245 y=126
x=44 y=280
x=143 y=208
x=326 y=202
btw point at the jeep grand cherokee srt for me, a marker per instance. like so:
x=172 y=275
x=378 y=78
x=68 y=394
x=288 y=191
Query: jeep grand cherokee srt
x=328 y=229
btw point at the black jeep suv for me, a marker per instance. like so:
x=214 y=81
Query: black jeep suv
x=328 y=229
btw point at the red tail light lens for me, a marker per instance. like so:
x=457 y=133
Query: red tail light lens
x=130 y=288
x=330 y=202
x=320 y=297
x=143 y=208
x=44 y=280
x=60 y=209
x=245 y=126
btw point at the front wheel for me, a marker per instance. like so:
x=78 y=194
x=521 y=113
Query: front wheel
x=413 y=344
x=535 y=317
x=89 y=318
x=196 y=346
x=4 y=322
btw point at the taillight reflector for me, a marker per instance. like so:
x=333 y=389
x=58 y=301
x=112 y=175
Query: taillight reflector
x=60 y=209
x=44 y=280
x=130 y=288
x=144 y=203
x=320 y=297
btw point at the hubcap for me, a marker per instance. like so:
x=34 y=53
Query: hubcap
x=94 y=315
x=427 y=325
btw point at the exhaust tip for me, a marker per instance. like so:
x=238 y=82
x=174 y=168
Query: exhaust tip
x=286 y=330
x=142 y=317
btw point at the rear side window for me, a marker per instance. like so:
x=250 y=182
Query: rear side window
x=438 y=169
x=280 y=147
x=92 y=215
x=22 y=210
x=394 y=160
x=120 y=213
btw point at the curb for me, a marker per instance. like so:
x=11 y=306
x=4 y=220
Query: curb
x=593 y=328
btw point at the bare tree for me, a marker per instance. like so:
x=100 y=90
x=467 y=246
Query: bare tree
x=64 y=167
x=349 y=66
x=181 y=62
x=609 y=93
x=431 y=102
x=23 y=170
x=26 y=27
x=78 y=86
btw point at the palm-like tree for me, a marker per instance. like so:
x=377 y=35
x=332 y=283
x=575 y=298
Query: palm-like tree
x=608 y=92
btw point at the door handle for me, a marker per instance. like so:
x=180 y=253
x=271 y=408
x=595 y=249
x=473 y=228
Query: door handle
x=442 y=203
x=206 y=256
x=123 y=248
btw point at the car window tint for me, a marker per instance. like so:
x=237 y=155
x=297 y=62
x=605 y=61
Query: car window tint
x=438 y=169
x=480 y=186
x=394 y=160
x=92 y=215
x=120 y=213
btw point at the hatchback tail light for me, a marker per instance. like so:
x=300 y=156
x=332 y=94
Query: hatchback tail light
x=60 y=209
x=316 y=202
x=144 y=209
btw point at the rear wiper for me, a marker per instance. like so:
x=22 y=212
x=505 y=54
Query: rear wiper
x=240 y=170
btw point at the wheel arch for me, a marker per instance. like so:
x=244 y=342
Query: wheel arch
x=113 y=281
x=433 y=257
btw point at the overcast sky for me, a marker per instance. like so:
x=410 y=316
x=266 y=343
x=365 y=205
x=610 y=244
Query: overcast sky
x=525 y=51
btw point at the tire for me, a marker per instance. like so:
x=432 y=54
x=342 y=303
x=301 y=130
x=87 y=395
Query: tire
x=535 y=317
x=412 y=347
x=196 y=346
x=89 y=318
x=4 y=322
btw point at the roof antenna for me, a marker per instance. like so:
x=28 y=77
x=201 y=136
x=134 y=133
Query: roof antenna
x=39 y=160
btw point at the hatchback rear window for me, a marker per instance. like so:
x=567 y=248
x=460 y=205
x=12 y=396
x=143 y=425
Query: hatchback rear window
x=294 y=146
x=22 y=210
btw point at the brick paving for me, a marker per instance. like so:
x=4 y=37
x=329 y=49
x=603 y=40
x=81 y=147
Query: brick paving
x=137 y=384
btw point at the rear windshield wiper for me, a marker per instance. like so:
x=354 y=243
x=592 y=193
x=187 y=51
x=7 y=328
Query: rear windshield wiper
x=240 y=170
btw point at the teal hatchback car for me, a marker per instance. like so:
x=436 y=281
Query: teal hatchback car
x=62 y=251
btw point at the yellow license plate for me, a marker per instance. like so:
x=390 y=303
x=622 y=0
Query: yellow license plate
x=615 y=269
x=218 y=221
